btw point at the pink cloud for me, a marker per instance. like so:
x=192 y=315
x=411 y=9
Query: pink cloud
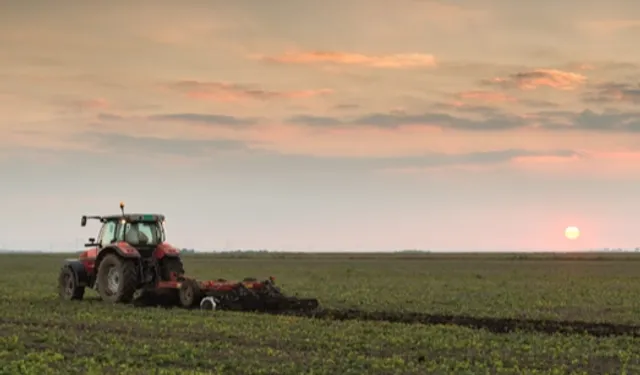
x=228 y=92
x=531 y=80
x=393 y=61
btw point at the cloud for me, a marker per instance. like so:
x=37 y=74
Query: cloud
x=546 y=159
x=462 y=107
x=539 y=103
x=205 y=119
x=229 y=92
x=185 y=150
x=486 y=96
x=315 y=120
x=588 y=120
x=531 y=80
x=156 y=145
x=190 y=118
x=395 y=134
x=394 y=61
x=606 y=121
x=436 y=120
x=475 y=159
x=492 y=120
x=613 y=92
x=442 y=120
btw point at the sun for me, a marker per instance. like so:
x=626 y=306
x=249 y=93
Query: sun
x=572 y=233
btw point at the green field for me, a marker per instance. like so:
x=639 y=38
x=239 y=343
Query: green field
x=41 y=335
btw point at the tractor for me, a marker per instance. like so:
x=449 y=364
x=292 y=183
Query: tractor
x=131 y=256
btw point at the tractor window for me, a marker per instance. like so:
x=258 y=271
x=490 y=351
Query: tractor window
x=145 y=229
x=107 y=233
x=142 y=233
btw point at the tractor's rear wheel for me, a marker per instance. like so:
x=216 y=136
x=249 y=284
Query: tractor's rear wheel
x=117 y=279
x=68 y=288
x=169 y=266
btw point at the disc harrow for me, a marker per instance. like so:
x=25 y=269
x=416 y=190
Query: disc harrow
x=246 y=295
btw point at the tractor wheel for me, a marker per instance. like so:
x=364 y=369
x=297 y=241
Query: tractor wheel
x=117 y=279
x=190 y=293
x=171 y=265
x=68 y=288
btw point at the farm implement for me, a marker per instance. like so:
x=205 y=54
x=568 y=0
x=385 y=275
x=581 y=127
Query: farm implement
x=131 y=259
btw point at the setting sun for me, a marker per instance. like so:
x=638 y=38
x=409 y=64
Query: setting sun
x=572 y=233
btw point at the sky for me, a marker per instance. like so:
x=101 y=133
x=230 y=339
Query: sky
x=301 y=125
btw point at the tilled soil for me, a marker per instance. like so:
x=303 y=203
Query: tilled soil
x=492 y=324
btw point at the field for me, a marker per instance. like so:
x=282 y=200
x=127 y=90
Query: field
x=498 y=314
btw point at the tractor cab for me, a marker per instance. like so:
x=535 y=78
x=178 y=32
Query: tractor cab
x=144 y=232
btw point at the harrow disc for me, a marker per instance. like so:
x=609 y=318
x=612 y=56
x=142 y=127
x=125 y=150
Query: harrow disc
x=208 y=303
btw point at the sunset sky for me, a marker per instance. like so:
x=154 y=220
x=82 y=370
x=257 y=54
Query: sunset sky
x=361 y=125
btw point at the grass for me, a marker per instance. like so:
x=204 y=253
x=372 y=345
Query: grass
x=41 y=335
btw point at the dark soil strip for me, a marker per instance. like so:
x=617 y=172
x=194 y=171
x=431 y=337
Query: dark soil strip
x=492 y=324
x=495 y=325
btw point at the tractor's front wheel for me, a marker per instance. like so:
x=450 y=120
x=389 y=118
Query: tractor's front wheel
x=117 y=279
x=68 y=288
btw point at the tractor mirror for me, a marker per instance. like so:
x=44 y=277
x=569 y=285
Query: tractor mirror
x=83 y=222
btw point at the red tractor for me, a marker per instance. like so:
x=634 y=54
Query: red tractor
x=131 y=255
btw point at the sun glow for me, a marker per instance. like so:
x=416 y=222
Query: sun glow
x=572 y=233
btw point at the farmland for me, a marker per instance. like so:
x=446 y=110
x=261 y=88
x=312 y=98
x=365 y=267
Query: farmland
x=513 y=315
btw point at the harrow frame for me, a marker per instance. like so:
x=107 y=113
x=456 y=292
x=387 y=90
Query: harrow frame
x=246 y=295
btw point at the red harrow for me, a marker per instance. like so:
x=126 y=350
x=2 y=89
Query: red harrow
x=247 y=295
